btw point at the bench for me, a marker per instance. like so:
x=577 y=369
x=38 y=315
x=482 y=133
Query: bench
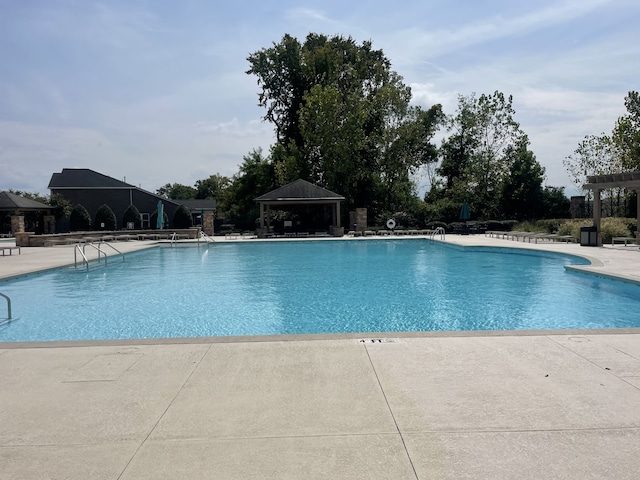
x=624 y=240
x=10 y=250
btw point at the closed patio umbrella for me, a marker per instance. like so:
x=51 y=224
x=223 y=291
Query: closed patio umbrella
x=464 y=212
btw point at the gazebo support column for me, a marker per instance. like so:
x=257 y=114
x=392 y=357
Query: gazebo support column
x=261 y=215
x=597 y=213
x=269 y=216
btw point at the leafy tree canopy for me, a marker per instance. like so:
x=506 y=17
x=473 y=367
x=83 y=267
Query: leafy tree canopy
x=485 y=161
x=342 y=120
x=176 y=191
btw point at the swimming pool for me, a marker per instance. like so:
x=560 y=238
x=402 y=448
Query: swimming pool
x=263 y=288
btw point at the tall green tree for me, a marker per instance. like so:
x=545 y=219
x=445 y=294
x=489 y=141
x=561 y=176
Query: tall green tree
x=256 y=176
x=177 y=191
x=477 y=156
x=626 y=133
x=212 y=187
x=555 y=203
x=342 y=119
x=521 y=192
x=598 y=155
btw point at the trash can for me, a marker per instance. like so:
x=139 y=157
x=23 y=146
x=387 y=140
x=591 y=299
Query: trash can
x=589 y=236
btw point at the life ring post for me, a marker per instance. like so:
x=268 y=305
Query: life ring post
x=391 y=224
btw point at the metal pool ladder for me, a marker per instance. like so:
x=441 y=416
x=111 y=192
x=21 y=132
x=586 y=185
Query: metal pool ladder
x=8 y=319
x=438 y=231
x=101 y=253
x=204 y=237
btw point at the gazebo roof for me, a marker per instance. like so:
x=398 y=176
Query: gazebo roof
x=11 y=201
x=300 y=191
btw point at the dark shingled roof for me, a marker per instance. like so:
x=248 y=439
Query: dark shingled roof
x=299 y=190
x=84 y=178
x=11 y=201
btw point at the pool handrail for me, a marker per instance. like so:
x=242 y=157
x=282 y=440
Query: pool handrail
x=77 y=250
x=8 y=306
x=438 y=231
x=205 y=237
x=111 y=247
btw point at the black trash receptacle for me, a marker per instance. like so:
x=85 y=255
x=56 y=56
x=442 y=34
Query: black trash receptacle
x=589 y=236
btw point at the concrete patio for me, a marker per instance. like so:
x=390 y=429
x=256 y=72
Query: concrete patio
x=501 y=405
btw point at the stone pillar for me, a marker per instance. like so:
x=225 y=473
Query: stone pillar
x=361 y=219
x=17 y=224
x=578 y=204
x=49 y=224
x=207 y=223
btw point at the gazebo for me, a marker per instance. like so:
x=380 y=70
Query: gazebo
x=15 y=205
x=301 y=192
x=597 y=183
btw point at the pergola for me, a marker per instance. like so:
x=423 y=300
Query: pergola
x=299 y=192
x=597 y=183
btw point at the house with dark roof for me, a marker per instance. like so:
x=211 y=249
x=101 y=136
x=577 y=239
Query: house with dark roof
x=92 y=190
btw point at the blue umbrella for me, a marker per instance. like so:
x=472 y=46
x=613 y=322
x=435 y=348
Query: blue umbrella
x=464 y=212
x=160 y=220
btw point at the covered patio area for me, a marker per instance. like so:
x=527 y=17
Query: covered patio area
x=299 y=192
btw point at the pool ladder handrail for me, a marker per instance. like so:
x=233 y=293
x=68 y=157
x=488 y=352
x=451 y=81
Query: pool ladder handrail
x=438 y=231
x=98 y=248
x=77 y=250
x=105 y=254
x=205 y=237
x=8 y=308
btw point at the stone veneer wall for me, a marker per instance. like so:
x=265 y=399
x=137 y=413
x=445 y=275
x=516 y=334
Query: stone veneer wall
x=207 y=223
x=17 y=224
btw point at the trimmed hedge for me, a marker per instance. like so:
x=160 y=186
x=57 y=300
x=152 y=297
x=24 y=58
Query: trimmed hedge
x=105 y=219
x=132 y=215
x=182 y=218
x=79 y=219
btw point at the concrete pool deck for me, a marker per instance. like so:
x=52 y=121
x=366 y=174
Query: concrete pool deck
x=500 y=405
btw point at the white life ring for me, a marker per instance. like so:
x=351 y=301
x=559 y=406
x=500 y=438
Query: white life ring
x=391 y=224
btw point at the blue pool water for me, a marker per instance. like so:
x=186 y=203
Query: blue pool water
x=265 y=288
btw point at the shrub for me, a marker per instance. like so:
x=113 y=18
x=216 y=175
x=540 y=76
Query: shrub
x=105 y=219
x=614 y=227
x=79 y=219
x=540 y=226
x=132 y=215
x=501 y=225
x=572 y=227
x=182 y=218
x=609 y=227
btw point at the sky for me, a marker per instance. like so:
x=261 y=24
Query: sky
x=155 y=91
